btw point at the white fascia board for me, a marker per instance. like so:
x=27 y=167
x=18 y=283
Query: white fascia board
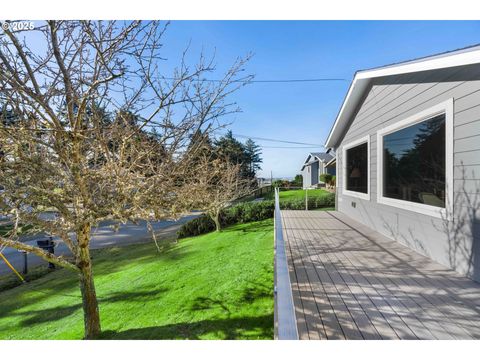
x=353 y=96
x=331 y=161
x=440 y=62
x=306 y=160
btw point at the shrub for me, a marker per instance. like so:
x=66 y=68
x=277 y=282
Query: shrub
x=240 y=213
x=200 y=225
x=277 y=183
x=326 y=178
x=317 y=202
x=251 y=211
x=298 y=181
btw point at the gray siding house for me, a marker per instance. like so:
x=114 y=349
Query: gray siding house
x=407 y=140
x=313 y=167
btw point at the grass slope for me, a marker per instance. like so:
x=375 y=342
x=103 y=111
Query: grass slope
x=214 y=286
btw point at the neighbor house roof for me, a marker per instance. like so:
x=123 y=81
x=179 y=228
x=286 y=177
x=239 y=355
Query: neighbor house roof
x=323 y=157
x=363 y=78
x=331 y=162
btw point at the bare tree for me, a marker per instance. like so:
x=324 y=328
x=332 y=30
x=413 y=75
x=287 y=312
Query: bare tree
x=99 y=132
x=217 y=184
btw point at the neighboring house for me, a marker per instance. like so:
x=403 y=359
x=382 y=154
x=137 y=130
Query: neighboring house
x=313 y=167
x=331 y=166
x=407 y=139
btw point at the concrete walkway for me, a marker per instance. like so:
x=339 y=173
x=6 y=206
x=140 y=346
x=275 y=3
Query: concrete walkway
x=102 y=236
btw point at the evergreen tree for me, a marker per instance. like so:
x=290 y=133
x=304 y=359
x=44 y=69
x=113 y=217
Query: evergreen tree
x=229 y=148
x=298 y=181
x=201 y=145
x=246 y=155
x=252 y=154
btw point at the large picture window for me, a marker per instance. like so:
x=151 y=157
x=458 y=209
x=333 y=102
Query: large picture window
x=356 y=168
x=415 y=162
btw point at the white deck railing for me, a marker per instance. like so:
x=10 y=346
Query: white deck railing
x=285 y=320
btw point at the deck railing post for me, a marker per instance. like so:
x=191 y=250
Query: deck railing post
x=306 y=199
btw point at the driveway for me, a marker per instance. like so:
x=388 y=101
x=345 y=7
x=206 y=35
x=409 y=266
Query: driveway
x=102 y=236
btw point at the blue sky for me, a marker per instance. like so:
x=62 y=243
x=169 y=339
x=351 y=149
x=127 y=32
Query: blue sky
x=304 y=112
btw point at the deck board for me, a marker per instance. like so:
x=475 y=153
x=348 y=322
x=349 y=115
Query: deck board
x=349 y=282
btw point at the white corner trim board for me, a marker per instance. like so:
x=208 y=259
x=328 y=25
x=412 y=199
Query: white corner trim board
x=445 y=107
x=362 y=140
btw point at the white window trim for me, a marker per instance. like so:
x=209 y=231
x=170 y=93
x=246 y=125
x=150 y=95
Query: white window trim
x=445 y=213
x=363 y=140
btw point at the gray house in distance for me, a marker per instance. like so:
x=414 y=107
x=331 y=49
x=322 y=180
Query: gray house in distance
x=407 y=139
x=313 y=167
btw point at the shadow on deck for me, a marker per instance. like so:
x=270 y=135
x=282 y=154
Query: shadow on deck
x=349 y=282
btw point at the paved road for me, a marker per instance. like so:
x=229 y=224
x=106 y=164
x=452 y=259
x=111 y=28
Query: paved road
x=103 y=236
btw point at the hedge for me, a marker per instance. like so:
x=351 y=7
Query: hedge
x=251 y=211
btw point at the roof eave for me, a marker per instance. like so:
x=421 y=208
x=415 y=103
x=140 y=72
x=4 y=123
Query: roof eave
x=362 y=79
x=354 y=94
x=331 y=161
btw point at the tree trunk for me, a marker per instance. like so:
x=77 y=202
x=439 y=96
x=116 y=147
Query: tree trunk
x=91 y=314
x=216 y=219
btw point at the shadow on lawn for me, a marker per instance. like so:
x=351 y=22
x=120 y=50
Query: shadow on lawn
x=207 y=303
x=63 y=282
x=59 y=312
x=116 y=258
x=256 y=291
x=262 y=226
x=259 y=327
x=252 y=292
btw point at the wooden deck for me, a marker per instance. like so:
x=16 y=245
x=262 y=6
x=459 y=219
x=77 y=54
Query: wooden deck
x=349 y=282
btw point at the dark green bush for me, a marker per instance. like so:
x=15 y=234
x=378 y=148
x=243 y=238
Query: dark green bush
x=240 y=213
x=326 y=178
x=319 y=202
x=314 y=202
x=200 y=225
x=251 y=211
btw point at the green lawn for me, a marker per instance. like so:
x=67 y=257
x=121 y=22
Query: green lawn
x=214 y=286
x=297 y=194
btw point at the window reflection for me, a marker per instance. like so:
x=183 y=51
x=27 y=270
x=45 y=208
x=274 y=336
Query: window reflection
x=414 y=163
x=357 y=168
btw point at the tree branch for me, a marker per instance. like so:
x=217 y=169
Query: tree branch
x=57 y=260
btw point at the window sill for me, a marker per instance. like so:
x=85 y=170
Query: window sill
x=356 y=194
x=428 y=210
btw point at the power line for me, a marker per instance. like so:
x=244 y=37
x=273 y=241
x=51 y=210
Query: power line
x=288 y=147
x=276 y=140
x=266 y=81
x=297 y=80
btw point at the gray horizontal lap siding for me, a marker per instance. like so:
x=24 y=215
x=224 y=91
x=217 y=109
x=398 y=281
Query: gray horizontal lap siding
x=394 y=99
